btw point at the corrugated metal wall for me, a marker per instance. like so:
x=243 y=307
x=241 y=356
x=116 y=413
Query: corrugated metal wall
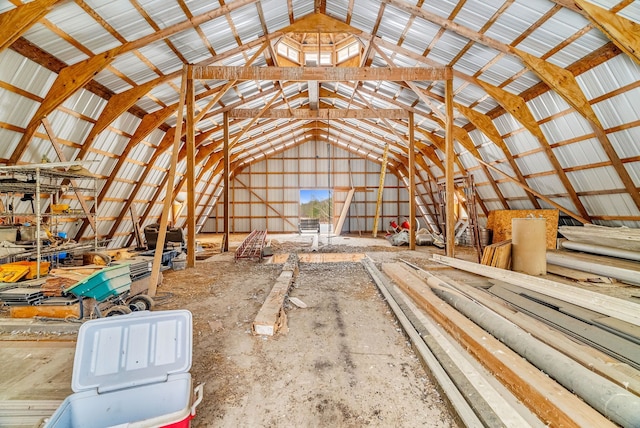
x=266 y=195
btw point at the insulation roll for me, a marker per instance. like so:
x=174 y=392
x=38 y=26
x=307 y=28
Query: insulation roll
x=529 y=245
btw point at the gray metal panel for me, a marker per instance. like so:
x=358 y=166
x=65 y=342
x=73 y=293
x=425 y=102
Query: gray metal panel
x=392 y=24
x=517 y=19
x=632 y=12
x=50 y=42
x=364 y=14
x=162 y=13
x=123 y=17
x=302 y=8
x=190 y=45
x=247 y=26
x=276 y=14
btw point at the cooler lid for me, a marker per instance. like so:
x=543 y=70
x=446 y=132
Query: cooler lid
x=129 y=350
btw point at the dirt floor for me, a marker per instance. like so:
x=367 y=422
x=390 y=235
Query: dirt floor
x=343 y=362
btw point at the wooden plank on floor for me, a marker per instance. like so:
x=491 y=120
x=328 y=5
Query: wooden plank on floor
x=271 y=317
x=550 y=401
x=330 y=257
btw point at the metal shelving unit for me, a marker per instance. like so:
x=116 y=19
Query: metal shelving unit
x=47 y=178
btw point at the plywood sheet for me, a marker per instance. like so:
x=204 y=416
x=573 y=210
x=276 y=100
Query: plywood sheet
x=499 y=222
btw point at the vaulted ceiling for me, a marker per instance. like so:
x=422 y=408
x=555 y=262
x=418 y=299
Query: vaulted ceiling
x=546 y=92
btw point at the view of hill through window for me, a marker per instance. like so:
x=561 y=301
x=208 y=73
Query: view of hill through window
x=315 y=203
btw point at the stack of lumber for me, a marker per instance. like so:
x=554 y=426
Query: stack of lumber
x=552 y=403
x=498 y=255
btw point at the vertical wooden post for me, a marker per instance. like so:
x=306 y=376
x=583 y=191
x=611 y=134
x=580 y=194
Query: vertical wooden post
x=449 y=189
x=412 y=185
x=191 y=165
x=225 y=240
x=162 y=233
x=383 y=171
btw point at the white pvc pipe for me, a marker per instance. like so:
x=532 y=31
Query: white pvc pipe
x=566 y=260
x=604 y=251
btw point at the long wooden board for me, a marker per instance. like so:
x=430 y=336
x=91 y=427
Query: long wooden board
x=607 y=305
x=271 y=316
x=551 y=402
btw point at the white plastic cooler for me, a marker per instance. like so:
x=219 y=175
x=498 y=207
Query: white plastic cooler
x=132 y=371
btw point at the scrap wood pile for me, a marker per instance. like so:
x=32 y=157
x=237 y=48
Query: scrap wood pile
x=498 y=255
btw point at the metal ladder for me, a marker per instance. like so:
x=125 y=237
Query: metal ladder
x=469 y=188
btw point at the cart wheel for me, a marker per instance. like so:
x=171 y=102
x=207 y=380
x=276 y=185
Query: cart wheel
x=141 y=302
x=117 y=310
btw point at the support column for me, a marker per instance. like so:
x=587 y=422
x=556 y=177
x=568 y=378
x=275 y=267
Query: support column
x=164 y=218
x=191 y=165
x=412 y=185
x=225 y=239
x=449 y=154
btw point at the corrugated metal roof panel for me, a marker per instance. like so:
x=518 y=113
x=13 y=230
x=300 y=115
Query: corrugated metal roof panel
x=600 y=205
x=521 y=142
x=15 y=109
x=502 y=70
x=302 y=8
x=632 y=12
x=276 y=14
x=134 y=68
x=420 y=35
x=198 y=7
x=364 y=14
x=18 y=71
x=190 y=45
x=577 y=50
x=123 y=17
x=219 y=34
x=613 y=74
x=619 y=110
x=338 y=9
x=247 y=26
x=588 y=180
x=475 y=59
x=162 y=57
x=50 y=42
x=74 y=21
x=447 y=47
x=580 y=153
x=626 y=142
x=392 y=24
x=442 y=8
x=164 y=14
x=554 y=31
x=475 y=14
x=517 y=19
x=111 y=80
x=567 y=127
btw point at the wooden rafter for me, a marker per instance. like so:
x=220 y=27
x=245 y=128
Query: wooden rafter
x=621 y=31
x=321 y=114
x=17 y=21
x=515 y=105
x=488 y=128
x=73 y=77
